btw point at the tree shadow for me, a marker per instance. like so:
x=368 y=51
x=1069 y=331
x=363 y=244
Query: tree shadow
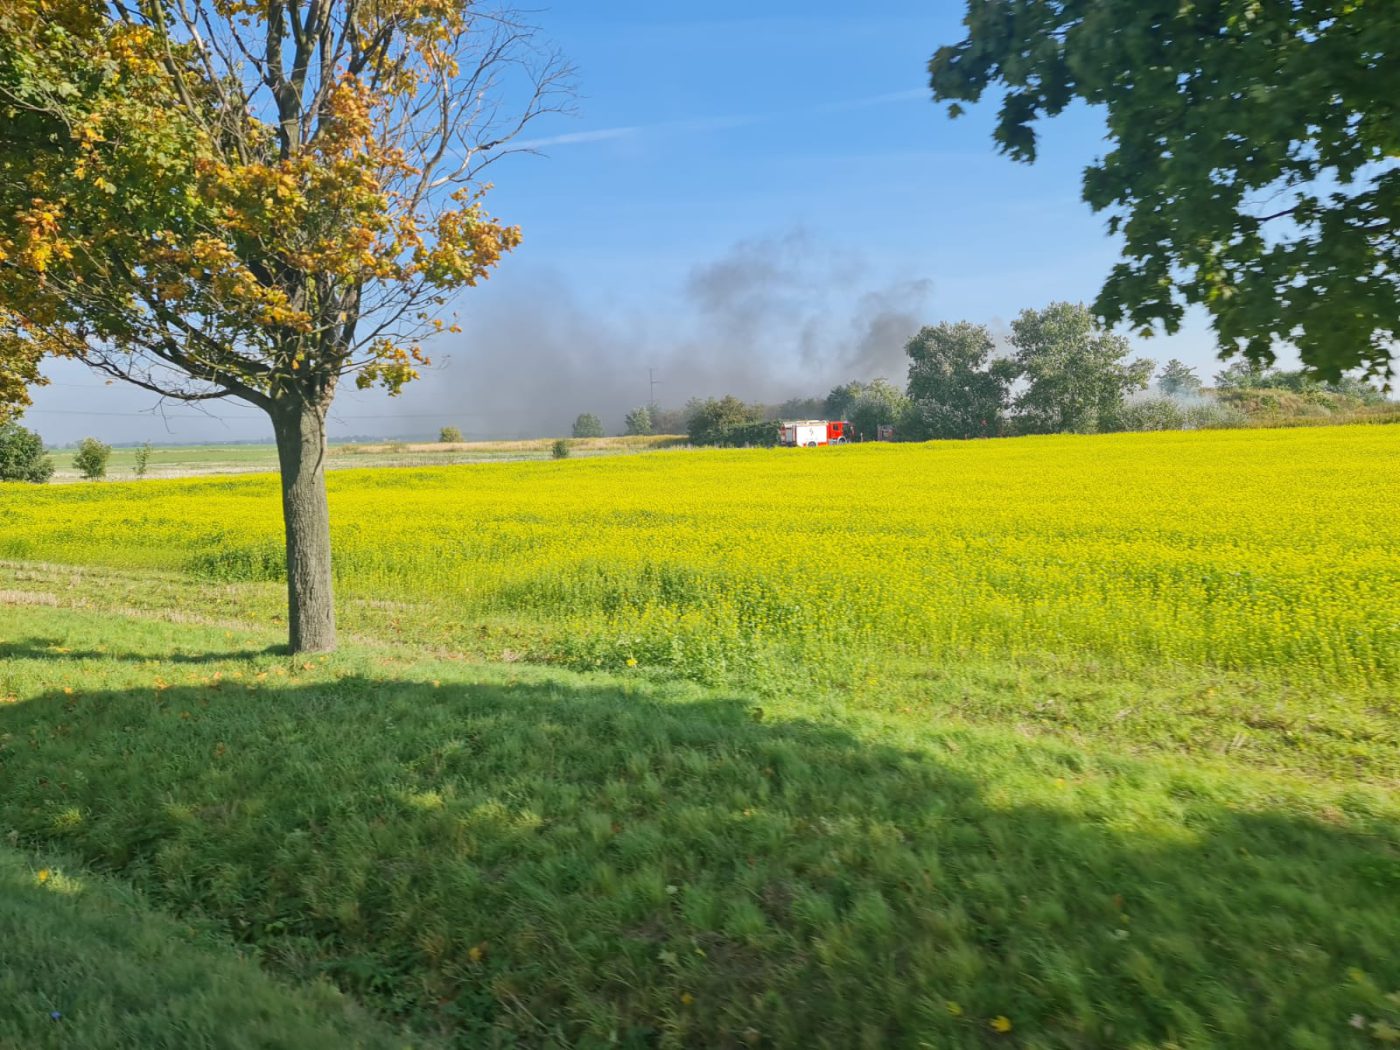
x=40 y=648
x=554 y=861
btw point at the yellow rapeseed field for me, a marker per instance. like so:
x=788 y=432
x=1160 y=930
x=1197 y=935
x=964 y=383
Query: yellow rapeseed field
x=1275 y=552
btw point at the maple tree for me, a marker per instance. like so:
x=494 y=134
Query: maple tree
x=1252 y=168
x=255 y=199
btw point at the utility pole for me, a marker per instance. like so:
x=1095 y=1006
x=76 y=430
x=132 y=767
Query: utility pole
x=651 y=380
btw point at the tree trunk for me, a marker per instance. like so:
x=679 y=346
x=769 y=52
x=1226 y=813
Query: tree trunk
x=301 y=450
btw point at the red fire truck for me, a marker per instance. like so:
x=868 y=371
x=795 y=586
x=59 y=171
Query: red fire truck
x=808 y=433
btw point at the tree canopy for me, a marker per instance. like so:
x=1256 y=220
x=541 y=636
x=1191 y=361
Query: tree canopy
x=880 y=403
x=1076 y=373
x=22 y=455
x=956 y=389
x=638 y=422
x=717 y=421
x=1178 y=379
x=1252 y=169
x=587 y=425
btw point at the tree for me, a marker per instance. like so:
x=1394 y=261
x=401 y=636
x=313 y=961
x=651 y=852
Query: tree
x=91 y=458
x=588 y=426
x=839 y=402
x=956 y=388
x=1076 y=373
x=711 y=421
x=1243 y=375
x=880 y=403
x=668 y=420
x=449 y=435
x=1177 y=379
x=22 y=456
x=1252 y=164
x=256 y=199
x=802 y=408
x=143 y=459
x=639 y=422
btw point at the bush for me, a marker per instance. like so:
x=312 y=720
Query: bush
x=560 y=449
x=639 y=422
x=763 y=434
x=449 y=435
x=588 y=426
x=91 y=459
x=22 y=456
x=1165 y=413
x=143 y=459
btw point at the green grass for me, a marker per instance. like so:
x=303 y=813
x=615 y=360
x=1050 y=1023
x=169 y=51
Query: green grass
x=88 y=963
x=504 y=855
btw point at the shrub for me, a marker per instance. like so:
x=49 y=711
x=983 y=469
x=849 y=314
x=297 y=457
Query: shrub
x=560 y=449
x=1165 y=413
x=639 y=422
x=449 y=435
x=143 y=459
x=22 y=456
x=1152 y=413
x=92 y=457
x=763 y=434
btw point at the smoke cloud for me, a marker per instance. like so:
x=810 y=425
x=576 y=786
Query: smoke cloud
x=772 y=318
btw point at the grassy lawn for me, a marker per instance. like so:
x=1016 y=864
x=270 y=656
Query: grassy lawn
x=499 y=854
x=89 y=963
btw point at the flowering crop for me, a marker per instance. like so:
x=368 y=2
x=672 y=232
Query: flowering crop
x=1275 y=553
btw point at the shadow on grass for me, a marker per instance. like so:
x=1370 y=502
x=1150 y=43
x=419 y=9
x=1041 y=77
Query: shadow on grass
x=89 y=964
x=555 y=861
x=52 y=648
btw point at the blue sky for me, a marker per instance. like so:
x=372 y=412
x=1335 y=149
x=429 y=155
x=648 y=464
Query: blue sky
x=756 y=198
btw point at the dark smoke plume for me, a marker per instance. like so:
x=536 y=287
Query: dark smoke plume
x=773 y=318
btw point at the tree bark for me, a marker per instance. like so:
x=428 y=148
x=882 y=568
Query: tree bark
x=301 y=449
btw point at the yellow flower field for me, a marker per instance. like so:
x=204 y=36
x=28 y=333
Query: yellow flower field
x=1275 y=552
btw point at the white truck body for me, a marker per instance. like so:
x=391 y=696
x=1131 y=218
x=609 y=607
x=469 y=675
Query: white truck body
x=803 y=434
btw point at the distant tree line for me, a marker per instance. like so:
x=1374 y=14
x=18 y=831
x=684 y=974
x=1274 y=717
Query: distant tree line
x=1060 y=371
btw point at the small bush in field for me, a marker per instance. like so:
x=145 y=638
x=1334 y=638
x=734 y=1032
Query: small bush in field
x=143 y=459
x=449 y=435
x=560 y=449
x=91 y=459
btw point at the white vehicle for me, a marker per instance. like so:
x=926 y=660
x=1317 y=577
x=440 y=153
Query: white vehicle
x=808 y=433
